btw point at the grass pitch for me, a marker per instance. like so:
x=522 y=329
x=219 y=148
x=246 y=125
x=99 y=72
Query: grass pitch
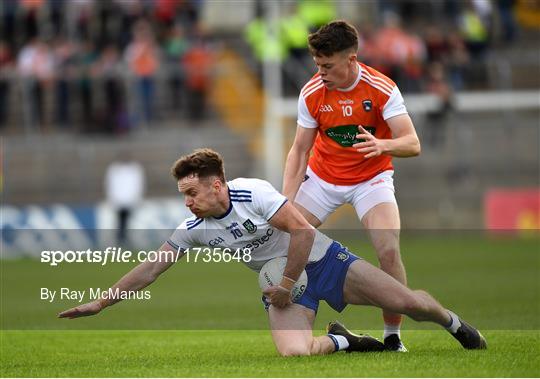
x=206 y=320
x=251 y=354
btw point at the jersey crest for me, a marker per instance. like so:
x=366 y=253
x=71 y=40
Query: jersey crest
x=250 y=226
x=368 y=105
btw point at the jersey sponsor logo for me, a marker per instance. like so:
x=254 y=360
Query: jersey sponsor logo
x=250 y=226
x=368 y=105
x=342 y=256
x=326 y=108
x=345 y=135
x=256 y=243
x=215 y=241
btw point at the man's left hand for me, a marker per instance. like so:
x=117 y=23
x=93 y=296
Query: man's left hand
x=372 y=146
x=278 y=296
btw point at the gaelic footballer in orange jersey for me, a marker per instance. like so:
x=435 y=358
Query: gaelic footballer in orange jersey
x=353 y=121
x=372 y=99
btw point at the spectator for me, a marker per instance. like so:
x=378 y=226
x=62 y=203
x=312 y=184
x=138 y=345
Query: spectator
x=197 y=62
x=316 y=12
x=391 y=43
x=293 y=34
x=124 y=188
x=437 y=48
x=36 y=67
x=266 y=48
x=175 y=47
x=414 y=61
x=85 y=60
x=474 y=32
x=114 y=116
x=403 y=53
x=64 y=57
x=437 y=85
x=484 y=10
x=457 y=61
x=368 y=48
x=142 y=56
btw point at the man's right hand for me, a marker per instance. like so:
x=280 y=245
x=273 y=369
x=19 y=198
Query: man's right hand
x=87 y=309
x=278 y=296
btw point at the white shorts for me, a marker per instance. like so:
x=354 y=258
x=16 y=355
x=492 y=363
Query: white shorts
x=322 y=198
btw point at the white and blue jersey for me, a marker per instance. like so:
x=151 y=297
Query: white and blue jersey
x=253 y=202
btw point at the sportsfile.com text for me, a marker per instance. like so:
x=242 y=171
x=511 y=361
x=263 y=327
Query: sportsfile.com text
x=118 y=255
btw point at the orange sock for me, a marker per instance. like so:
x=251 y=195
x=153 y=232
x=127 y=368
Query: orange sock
x=392 y=319
x=392 y=323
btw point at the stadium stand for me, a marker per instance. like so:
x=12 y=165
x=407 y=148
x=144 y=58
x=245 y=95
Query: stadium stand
x=86 y=108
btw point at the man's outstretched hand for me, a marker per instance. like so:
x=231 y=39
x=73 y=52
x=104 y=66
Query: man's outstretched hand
x=87 y=309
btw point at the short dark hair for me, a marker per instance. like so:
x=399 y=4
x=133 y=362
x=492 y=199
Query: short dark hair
x=334 y=37
x=202 y=162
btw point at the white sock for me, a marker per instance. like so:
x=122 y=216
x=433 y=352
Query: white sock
x=340 y=342
x=391 y=329
x=454 y=323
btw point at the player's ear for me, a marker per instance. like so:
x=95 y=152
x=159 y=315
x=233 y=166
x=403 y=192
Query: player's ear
x=217 y=185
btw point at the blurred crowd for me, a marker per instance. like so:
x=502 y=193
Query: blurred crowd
x=110 y=66
x=417 y=57
x=94 y=64
x=437 y=47
x=439 y=55
x=416 y=43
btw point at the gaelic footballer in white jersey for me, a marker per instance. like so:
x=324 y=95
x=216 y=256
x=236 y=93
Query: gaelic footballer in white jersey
x=245 y=226
x=251 y=214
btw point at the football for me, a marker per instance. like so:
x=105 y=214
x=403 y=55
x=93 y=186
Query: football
x=272 y=273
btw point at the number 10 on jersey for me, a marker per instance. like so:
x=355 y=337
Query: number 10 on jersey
x=347 y=110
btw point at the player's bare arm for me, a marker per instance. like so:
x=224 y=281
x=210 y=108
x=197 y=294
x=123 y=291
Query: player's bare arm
x=140 y=277
x=295 y=167
x=404 y=142
x=288 y=219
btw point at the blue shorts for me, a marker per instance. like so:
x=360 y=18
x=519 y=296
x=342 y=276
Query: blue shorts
x=326 y=279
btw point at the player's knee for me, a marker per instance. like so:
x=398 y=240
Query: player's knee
x=294 y=350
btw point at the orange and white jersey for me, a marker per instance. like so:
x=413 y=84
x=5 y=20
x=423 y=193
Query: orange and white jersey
x=371 y=100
